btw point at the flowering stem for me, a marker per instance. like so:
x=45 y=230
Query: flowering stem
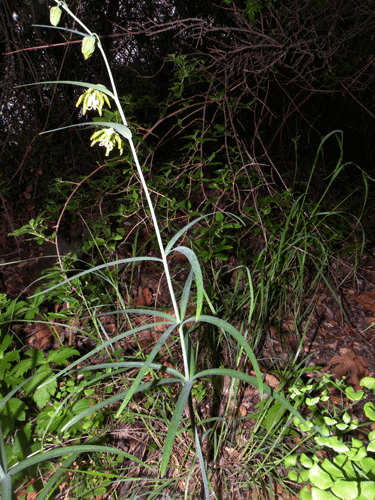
x=145 y=189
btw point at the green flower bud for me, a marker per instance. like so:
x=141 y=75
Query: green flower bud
x=88 y=46
x=55 y=15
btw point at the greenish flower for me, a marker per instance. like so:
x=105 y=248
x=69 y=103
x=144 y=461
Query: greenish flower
x=55 y=15
x=93 y=99
x=109 y=139
x=88 y=46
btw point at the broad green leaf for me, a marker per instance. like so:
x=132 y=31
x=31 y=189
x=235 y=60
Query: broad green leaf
x=346 y=465
x=347 y=490
x=61 y=355
x=305 y=494
x=332 y=442
x=15 y=410
x=317 y=494
x=368 y=382
x=357 y=453
x=334 y=471
x=367 y=464
x=330 y=421
x=341 y=427
x=346 y=418
x=290 y=461
x=293 y=475
x=306 y=461
x=366 y=490
x=353 y=395
x=320 y=478
x=369 y=411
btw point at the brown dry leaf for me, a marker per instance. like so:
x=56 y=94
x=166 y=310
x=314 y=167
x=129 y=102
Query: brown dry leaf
x=348 y=365
x=367 y=300
x=144 y=298
x=28 y=495
x=40 y=336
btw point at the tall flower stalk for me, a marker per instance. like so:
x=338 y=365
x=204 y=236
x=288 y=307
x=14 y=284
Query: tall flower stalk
x=127 y=135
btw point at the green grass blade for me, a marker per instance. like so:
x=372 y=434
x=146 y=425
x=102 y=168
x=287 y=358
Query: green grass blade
x=61 y=452
x=173 y=426
x=121 y=129
x=252 y=381
x=178 y=235
x=6 y=488
x=3 y=456
x=99 y=87
x=112 y=400
x=186 y=294
x=100 y=348
x=202 y=466
x=146 y=366
x=48 y=487
x=10 y=394
x=227 y=327
x=194 y=262
x=98 y=268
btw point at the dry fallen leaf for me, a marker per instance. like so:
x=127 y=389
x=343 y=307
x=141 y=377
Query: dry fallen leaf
x=144 y=298
x=348 y=365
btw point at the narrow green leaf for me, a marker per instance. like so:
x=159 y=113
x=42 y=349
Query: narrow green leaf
x=186 y=294
x=98 y=268
x=198 y=277
x=182 y=231
x=252 y=381
x=227 y=327
x=99 y=348
x=146 y=365
x=99 y=87
x=44 y=456
x=121 y=129
x=173 y=426
x=202 y=465
x=3 y=457
x=114 y=399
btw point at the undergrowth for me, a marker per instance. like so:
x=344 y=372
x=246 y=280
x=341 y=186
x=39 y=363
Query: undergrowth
x=176 y=397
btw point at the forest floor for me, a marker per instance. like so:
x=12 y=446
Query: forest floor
x=340 y=336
